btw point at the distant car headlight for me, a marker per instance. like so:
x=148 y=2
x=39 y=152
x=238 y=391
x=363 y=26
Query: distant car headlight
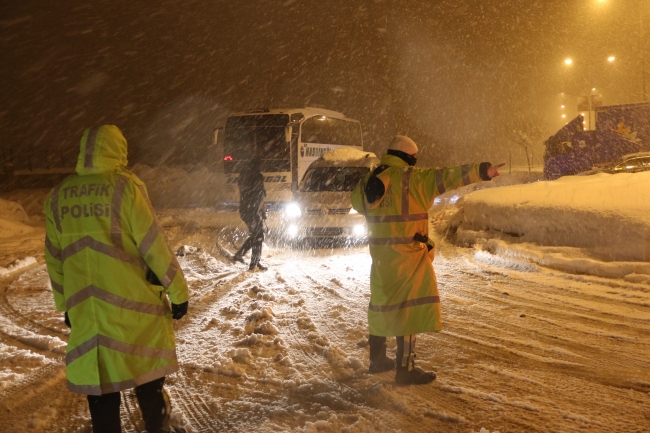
x=352 y=211
x=292 y=231
x=359 y=230
x=292 y=210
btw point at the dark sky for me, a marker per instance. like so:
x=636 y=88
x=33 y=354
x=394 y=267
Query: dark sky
x=453 y=75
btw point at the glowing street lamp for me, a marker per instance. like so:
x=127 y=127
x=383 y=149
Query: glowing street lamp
x=568 y=61
x=610 y=59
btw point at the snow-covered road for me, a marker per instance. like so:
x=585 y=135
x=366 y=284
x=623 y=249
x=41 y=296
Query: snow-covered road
x=524 y=348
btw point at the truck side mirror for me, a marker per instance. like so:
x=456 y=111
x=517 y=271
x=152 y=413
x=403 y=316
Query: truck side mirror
x=215 y=135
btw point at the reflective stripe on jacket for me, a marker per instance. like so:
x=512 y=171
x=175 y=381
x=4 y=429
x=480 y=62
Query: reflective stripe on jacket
x=404 y=294
x=101 y=237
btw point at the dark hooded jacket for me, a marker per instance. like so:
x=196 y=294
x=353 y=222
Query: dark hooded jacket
x=251 y=194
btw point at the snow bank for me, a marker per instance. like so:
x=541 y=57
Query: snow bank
x=32 y=200
x=171 y=187
x=596 y=225
x=12 y=219
x=17 y=265
x=168 y=187
x=12 y=211
x=10 y=228
x=606 y=214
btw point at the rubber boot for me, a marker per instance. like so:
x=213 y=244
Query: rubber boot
x=155 y=405
x=409 y=374
x=257 y=265
x=379 y=362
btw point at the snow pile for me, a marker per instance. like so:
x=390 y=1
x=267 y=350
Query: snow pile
x=515 y=178
x=346 y=154
x=172 y=187
x=16 y=363
x=608 y=214
x=335 y=424
x=10 y=228
x=31 y=200
x=13 y=219
x=12 y=211
x=598 y=225
x=16 y=265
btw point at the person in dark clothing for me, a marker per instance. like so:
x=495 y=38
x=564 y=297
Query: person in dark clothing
x=252 y=211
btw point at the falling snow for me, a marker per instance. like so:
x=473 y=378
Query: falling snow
x=539 y=334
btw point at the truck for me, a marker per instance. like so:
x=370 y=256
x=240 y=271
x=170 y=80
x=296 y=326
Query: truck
x=286 y=141
x=620 y=130
x=321 y=209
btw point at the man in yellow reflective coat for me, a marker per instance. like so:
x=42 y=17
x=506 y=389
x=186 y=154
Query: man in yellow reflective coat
x=395 y=199
x=102 y=239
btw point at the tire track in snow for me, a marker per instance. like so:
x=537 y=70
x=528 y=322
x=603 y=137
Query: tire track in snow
x=565 y=287
x=130 y=414
x=40 y=402
x=19 y=319
x=29 y=325
x=301 y=281
x=536 y=308
x=532 y=296
x=591 y=346
x=331 y=345
x=524 y=294
x=24 y=332
x=292 y=319
x=188 y=396
x=319 y=311
x=315 y=354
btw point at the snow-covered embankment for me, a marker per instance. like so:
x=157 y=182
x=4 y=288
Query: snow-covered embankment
x=598 y=225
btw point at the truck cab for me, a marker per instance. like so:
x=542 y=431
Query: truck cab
x=321 y=207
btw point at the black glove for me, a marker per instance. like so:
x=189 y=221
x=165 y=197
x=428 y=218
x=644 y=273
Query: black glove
x=66 y=319
x=179 y=310
x=152 y=278
x=424 y=239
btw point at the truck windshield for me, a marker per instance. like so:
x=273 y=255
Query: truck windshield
x=333 y=178
x=257 y=136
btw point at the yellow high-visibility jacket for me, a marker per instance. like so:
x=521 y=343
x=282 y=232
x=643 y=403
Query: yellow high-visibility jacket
x=101 y=237
x=404 y=297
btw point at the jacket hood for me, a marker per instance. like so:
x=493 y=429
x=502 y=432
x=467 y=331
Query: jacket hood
x=103 y=150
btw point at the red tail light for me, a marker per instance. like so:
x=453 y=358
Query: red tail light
x=227 y=158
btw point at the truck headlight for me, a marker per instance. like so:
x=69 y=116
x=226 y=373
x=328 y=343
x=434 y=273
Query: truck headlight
x=292 y=231
x=352 y=211
x=359 y=230
x=292 y=210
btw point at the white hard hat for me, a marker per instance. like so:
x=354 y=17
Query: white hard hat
x=403 y=144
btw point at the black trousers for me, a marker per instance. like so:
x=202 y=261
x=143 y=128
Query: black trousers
x=254 y=241
x=105 y=408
